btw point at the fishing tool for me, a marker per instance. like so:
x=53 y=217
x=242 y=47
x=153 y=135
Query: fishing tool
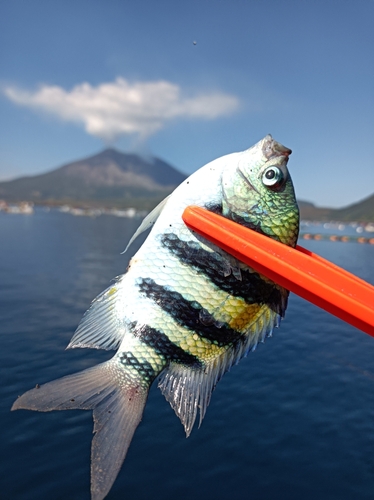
x=297 y=269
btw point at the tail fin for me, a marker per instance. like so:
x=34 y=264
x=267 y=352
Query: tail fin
x=117 y=401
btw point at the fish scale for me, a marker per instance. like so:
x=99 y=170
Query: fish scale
x=184 y=312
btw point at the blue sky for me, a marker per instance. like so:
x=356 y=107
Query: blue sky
x=78 y=75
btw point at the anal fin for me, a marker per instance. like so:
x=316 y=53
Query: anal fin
x=101 y=327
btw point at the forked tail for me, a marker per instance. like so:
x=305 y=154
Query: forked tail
x=117 y=400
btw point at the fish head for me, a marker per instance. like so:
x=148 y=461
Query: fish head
x=258 y=191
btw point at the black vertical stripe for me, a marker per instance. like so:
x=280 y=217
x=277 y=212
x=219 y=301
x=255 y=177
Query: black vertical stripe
x=144 y=368
x=252 y=288
x=164 y=347
x=187 y=313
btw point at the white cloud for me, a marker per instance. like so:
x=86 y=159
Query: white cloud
x=121 y=108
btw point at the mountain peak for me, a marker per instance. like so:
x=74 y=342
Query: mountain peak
x=110 y=151
x=104 y=177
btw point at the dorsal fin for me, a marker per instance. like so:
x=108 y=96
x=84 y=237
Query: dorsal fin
x=148 y=221
x=189 y=389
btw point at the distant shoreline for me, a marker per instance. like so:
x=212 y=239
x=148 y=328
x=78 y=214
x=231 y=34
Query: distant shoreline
x=134 y=208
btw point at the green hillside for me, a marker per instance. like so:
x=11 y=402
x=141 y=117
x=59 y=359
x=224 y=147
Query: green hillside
x=362 y=211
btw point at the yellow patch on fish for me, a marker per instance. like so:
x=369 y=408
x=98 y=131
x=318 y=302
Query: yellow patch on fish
x=236 y=313
x=245 y=316
x=200 y=347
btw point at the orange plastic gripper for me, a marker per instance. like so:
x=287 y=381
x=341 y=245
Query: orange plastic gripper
x=297 y=269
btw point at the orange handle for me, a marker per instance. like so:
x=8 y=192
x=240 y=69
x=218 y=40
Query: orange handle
x=296 y=269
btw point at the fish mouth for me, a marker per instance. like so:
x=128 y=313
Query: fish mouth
x=272 y=148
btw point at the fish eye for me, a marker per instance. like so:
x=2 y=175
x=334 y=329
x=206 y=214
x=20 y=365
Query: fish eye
x=272 y=177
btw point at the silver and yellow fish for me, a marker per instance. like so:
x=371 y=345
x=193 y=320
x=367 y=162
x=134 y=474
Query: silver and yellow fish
x=184 y=312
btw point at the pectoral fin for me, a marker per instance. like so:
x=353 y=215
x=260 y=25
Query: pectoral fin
x=148 y=221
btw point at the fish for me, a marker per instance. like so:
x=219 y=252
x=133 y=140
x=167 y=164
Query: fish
x=184 y=312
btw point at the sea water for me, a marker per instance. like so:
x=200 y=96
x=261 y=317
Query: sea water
x=294 y=420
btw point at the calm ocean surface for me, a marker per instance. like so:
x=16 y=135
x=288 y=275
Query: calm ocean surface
x=294 y=420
